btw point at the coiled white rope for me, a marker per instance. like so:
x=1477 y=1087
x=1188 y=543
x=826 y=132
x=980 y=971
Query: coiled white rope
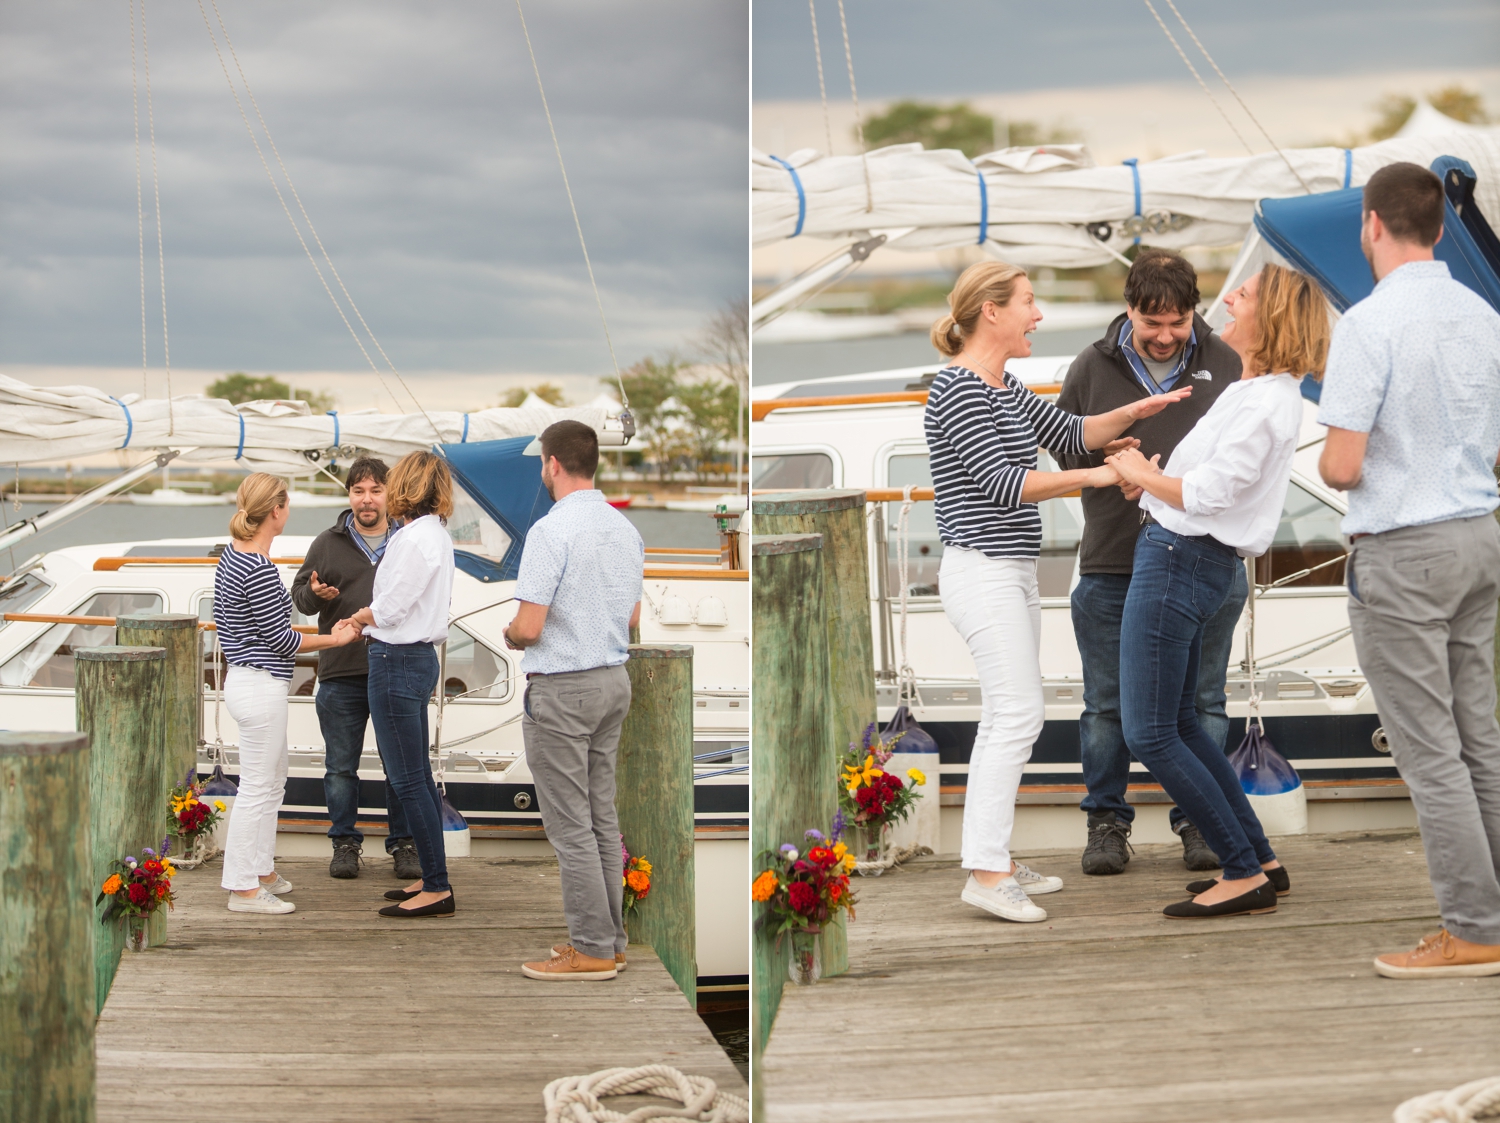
x=1478 y=1099
x=576 y=1099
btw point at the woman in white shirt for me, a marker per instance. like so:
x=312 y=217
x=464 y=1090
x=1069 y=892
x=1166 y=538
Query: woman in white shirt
x=407 y=616
x=1218 y=501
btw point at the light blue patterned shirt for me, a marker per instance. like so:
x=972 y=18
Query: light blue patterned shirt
x=1416 y=364
x=585 y=561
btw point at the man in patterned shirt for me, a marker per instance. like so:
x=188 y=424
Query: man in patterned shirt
x=1411 y=399
x=580 y=594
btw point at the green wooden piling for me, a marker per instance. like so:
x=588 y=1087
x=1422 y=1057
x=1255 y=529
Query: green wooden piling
x=793 y=783
x=177 y=633
x=121 y=707
x=47 y=1004
x=839 y=516
x=654 y=798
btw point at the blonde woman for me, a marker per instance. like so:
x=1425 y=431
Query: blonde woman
x=253 y=614
x=407 y=616
x=1218 y=502
x=983 y=430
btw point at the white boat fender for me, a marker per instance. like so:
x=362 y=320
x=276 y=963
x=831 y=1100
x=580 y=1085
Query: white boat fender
x=921 y=831
x=1270 y=783
x=221 y=789
x=455 y=831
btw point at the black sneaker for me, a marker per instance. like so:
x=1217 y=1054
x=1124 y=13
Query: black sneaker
x=1108 y=847
x=408 y=866
x=1196 y=854
x=346 y=857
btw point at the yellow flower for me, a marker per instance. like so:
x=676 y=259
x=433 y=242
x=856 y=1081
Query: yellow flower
x=856 y=777
x=916 y=776
x=839 y=850
x=764 y=886
x=219 y=805
x=643 y=865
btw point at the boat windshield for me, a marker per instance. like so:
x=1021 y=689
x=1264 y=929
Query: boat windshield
x=23 y=594
x=48 y=660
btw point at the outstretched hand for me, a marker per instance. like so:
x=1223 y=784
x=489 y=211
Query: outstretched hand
x=1120 y=444
x=1134 y=468
x=1146 y=407
x=320 y=590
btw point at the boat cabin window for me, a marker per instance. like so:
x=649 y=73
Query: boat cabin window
x=1308 y=536
x=1062 y=529
x=48 y=660
x=472 y=669
x=23 y=594
x=304 y=667
x=791 y=471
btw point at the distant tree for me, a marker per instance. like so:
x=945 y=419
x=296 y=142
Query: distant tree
x=549 y=392
x=955 y=126
x=652 y=387
x=1452 y=101
x=710 y=404
x=240 y=387
x=725 y=346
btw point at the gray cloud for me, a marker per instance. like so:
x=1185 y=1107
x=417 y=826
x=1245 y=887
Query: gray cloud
x=415 y=135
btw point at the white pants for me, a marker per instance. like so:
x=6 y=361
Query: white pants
x=993 y=603
x=256 y=700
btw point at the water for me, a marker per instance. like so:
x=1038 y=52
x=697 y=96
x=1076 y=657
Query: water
x=730 y=1025
x=125 y=522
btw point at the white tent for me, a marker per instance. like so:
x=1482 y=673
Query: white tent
x=1038 y=204
x=69 y=422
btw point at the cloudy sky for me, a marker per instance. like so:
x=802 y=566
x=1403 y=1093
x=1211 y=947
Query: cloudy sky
x=960 y=47
x=415 y=136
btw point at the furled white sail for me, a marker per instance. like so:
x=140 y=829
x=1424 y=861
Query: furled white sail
x=1039 y=203
x=69 y=422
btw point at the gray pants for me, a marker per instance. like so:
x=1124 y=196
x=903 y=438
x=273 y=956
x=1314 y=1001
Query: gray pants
x=1422 y=604
x=572 y=731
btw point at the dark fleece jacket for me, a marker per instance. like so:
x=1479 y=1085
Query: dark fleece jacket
x=1100 y=380
x=339 y=562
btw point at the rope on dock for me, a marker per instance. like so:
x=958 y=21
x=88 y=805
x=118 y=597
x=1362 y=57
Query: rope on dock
x=1478 y=1099
x=576 y=1099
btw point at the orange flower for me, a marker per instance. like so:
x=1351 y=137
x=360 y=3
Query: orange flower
x=637 y=881
x=765 y=885
x=111 y=885
x=835 y=891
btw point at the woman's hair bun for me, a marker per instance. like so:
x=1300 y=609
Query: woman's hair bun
x=947 y=337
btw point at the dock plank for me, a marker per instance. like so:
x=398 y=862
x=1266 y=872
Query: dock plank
x=336 y=1014
x=1109 y=1010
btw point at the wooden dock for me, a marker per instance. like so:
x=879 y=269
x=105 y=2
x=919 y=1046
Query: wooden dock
x=1108 y=1010
x=336 y=1014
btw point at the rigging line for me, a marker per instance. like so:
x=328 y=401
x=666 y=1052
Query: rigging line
x=161 y=254
x=1236 y=93
x=624 y=401
x=1194 y=71
x=140 y=218
x=859 y=124
x=276 y=187
x=822 y=89
x=308 y=218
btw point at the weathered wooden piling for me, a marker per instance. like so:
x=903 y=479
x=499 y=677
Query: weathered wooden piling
x=177 y=633
x=120 y=706
x=654 y=798
x=839 y=516
x=47 y=998
x=793 y=782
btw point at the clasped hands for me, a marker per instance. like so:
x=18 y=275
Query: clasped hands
x=349 y=629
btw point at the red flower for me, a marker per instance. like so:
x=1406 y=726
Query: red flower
x=835 y=891
x=822 y=856
x=161 y=891
x=137 y=893
x=151 y=866
x=890 y=783
x=802 y=897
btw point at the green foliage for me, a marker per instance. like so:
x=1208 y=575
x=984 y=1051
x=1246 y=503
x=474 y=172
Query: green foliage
x=1394 y=110
x=652 y=387
x=240 y=387
x=956 y=126
x=549 y=392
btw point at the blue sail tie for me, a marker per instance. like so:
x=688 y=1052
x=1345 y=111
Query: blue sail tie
x=129 y=424
x=801 y=195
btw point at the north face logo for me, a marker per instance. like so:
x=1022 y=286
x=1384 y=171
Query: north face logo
x=1203 y=374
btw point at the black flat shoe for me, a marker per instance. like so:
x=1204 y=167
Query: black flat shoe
x=444 y=907
x=1258 y=900
x=408 y=894
x=1280 y=881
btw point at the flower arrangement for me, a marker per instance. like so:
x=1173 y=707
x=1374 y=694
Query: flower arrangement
x=802 y=891
x=191 y=815
x=870 y=796
x=637 y=877
x=136 y=889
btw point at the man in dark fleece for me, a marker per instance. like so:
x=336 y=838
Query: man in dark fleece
x=336 y=580
x=1158 y=343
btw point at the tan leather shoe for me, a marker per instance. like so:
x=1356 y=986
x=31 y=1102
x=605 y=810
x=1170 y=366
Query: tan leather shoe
x=572 y=964
x=563 y=949
x=1441 y=955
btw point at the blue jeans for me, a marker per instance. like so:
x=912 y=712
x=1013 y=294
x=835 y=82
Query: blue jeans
x=1098 y=605
x=402 y=678
x=1179 y=583
x=343 y=706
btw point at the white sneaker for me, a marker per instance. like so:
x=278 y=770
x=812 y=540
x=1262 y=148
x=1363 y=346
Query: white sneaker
x=282 y=885
x=1006 y=900
x=262 y=902
x=1035 y=884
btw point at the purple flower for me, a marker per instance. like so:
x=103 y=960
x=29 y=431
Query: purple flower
x=148 y=850
x=166 y=845
x=624 y=853
x=840 y=824
x=868 y=737
x=130 y=861
x=817 y=834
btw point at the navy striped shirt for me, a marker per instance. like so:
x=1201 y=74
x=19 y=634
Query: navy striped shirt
x=253 y=612
x=982 y=440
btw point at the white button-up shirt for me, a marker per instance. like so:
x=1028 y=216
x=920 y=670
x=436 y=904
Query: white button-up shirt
x=1416 y=365
x=414 y=585
x=1235 y=465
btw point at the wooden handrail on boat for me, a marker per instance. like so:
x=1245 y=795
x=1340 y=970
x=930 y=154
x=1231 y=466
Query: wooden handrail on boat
x=109 y=621
x=113 y=565
x=759 y=410
x=894 y=494
x=688 y=551
x=696 y=572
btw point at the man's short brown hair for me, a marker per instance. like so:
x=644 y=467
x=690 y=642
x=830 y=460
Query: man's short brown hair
x=1161 y=281
x=366 y=468
x=575 y=445
x=1409 y=200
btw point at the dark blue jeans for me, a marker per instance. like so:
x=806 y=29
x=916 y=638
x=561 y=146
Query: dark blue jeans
x=1098 y=605
x=343 y=706
x=402 y=678
x=1178 y=584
